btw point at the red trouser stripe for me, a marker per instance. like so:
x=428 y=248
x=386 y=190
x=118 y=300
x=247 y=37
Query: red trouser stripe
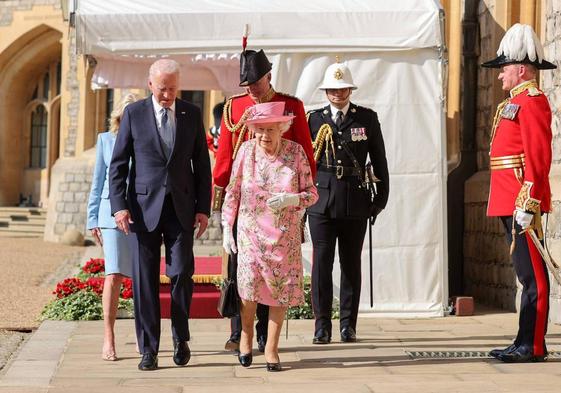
x=542 y=300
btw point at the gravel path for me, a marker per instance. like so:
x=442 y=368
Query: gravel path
x=27 y=270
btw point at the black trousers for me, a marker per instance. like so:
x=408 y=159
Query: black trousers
x=531 y=271
x=262 y=310
x=180 y=266
x=349 y=233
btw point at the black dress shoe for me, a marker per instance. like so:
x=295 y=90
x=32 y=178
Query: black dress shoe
x=322 y=337
x=497 y=352
x=261 y=342
x=274 y=367
x=245 y=359
x=149 y=362
x=348 y=335
x=521 y=354
x=233 y=343
x=181 y=353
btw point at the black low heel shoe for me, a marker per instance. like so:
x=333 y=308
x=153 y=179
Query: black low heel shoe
x=245 y=359
x=274 y=367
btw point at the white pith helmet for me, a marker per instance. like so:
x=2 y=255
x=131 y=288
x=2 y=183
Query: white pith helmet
x=337 y=76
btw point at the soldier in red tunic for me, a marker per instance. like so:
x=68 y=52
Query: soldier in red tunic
x=255 y=77
x=520 y=162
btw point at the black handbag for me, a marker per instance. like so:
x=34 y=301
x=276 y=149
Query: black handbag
x=229 y=302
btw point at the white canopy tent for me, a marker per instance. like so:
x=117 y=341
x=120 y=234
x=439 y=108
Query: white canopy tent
x=394 y=50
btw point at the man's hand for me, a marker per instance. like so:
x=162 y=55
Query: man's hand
x=123 y=219
x=523 y=219
x=201 y=220
x=228 y=242
x=96 y=233
x=280 y=200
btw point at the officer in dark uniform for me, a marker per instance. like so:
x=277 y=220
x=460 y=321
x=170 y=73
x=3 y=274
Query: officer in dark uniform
x=344 y=134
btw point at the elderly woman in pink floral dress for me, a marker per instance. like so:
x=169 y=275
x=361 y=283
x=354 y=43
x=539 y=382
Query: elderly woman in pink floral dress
x=270 y=186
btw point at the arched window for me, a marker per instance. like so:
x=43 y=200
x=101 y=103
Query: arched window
x=38 y=146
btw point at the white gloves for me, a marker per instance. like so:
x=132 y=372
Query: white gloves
x=228 y=242
x=523 y=219
x=280 y=200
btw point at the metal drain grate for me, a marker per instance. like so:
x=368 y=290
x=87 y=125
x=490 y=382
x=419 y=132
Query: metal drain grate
x=461 y=354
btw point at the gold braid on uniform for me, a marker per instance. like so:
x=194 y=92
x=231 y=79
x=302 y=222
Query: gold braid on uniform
x=324 y=136
x=240 y=125
x=496 y=120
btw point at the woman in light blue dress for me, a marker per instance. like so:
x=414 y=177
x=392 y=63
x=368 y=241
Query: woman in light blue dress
x=118 y=258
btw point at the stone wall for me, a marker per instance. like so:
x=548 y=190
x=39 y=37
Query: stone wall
x=7 y=8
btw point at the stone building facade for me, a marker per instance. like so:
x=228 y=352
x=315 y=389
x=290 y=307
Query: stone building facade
x=50 y=116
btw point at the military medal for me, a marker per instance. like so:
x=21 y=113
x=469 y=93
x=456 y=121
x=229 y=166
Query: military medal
x=509 y=111
x=358 y=134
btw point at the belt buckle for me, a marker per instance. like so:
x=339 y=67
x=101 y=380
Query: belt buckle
x=339 y=171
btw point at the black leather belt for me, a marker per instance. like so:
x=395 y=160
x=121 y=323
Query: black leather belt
x=339 y=170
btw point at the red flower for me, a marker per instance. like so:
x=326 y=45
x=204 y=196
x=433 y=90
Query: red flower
x=126 y=290
x=94 y=266
x=68 y=286
x=95 y=284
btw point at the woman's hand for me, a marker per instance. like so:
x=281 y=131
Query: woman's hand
x=280 y=200
x=228 y=242
x=96 y=233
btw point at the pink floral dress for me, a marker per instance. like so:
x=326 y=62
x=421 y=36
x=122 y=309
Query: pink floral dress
x=269 y=242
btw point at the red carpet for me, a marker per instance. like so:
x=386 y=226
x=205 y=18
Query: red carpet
x=205 y=293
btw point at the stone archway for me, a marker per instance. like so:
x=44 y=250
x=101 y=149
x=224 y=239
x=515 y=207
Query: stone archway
x=21 y=64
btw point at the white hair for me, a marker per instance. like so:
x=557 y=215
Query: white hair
x=164 y=66
x=283 y=126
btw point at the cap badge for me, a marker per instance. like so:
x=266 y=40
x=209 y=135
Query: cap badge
x=338 y=74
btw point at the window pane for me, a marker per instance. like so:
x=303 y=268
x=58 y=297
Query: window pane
x=46 y=83
x=109 y=98
x=58 y=77
x=38 y=145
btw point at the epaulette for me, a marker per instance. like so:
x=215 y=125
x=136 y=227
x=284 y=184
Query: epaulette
x=237 y=95
x=310 y=112
x=534 y=91
x=363 y=108
x=287 y=95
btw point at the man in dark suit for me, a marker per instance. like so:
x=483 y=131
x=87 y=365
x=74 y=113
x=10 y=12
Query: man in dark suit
x=167 y=196
x=344 y=135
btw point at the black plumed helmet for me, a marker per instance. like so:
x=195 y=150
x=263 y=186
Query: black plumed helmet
x=253 y=66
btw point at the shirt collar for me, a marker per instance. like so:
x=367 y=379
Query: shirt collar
x=158 y=107
x=334 y=110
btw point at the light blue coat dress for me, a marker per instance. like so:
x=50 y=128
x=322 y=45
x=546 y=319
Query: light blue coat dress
x=118 y=258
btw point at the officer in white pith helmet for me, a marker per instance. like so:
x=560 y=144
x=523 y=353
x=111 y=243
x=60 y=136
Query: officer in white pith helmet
x=344 y=134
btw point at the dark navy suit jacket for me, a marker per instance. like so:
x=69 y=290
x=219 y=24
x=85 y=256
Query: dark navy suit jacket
x=187 y=171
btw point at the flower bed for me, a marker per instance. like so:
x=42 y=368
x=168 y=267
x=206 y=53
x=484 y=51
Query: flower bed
x=79 y=298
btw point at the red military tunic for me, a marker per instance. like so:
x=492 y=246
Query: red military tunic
x=231 y=126
x=521 y=138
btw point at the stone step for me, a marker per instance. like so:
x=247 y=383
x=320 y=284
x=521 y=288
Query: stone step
x=22 y=221
x=8 y=234
x=23 y=229
x=35 y=211
x=22 y=218
x=24 y=224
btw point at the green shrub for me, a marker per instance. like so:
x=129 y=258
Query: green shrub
x=80 y=306
x=305 y=311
